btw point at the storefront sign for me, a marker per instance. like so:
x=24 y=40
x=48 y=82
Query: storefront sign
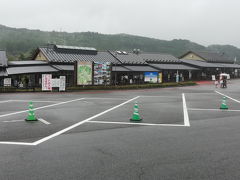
x=160 y=77
x=7 y=82
x=102 y=73
x=213 y=78
x=46 y=82
x=84 y=73
x=55 y=82
x=62 y=85
x=151 y=77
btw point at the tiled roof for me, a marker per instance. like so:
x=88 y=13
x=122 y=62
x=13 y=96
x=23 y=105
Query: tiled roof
x=158 y=57
x=59 y=57
x=202 y=64
x=212 y=56
x=145 y=68
x=173 y=66
x=3 y=59
x=128 y=58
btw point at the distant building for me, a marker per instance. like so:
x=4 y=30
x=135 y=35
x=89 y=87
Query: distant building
x=126 y=67
x=210 y=63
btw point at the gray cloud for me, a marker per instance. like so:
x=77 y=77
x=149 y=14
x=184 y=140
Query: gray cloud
x=203 y=21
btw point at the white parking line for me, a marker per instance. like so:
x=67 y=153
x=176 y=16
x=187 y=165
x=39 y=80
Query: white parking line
x=136 y=123
x=16 y=143
x=162 y=96
x=35 y=101
x=42 y=107
x=185 y=111
x=228 y=97
x=5 y=101
x=44 y=121
x=196 y=109
x=68 y=128
x=14 y=121
x=106 y=98
x=81 y=122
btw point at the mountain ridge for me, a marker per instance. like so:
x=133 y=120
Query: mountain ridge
x=21 y=42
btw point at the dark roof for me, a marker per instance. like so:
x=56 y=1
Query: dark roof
x=202 y=64
x=236 y=66
x=142 y=68
x=64 y=67
x=30 y=69
x=3 y=59
x=120 y=69
x=212 y=56
x=158 y=57
x=173 y=66
x=26 y=62
x=128 y=57
x=62 y=57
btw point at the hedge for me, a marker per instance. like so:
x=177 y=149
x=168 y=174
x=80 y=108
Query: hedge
x=112 y=87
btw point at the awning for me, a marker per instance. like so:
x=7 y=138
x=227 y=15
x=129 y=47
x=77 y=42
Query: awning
x=142 y=68
x=173 y=66
x=119 y=69
x=236 y=66
x=30 y=69
x=202 y=64
x=64 y=67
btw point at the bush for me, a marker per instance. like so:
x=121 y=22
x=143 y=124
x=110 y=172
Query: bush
x=131 y=86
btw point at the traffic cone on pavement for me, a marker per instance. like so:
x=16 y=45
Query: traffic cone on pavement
x=224 y=105
x=31 y=114
x=136 y=116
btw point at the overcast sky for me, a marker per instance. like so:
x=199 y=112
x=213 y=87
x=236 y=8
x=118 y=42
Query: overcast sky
x=202 y=21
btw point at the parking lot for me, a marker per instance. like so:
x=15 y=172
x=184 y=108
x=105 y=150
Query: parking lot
x=88 y=135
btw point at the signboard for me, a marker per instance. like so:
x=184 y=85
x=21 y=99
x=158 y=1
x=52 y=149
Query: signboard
x=7 y=82
x=160 y=77
x=84 y=73
x=46 y=82
x=62 y=85
x=151 y=77
x=55 y=82
x=213 y=78
x=102 y=73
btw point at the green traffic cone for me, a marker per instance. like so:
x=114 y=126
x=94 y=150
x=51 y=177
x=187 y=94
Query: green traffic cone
x=136 y=116
x=224 y=105
x=31 y=114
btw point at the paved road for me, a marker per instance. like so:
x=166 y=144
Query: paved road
x=108 y=146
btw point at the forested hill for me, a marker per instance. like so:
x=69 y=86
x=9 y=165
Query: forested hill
x=19 y=43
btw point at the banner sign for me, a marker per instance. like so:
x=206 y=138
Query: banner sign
x=102 y=73
x=84 y=73
x=7 y=82
x=151 y=77
x=46 y=82
x=62 y=85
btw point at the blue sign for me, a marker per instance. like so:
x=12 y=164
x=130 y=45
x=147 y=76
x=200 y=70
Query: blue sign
x=151 y=77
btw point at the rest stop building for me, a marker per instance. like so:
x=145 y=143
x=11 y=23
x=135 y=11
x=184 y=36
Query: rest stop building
x=125 y=67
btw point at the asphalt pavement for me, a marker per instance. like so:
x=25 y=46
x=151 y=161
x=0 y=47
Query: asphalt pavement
x=88 y=135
